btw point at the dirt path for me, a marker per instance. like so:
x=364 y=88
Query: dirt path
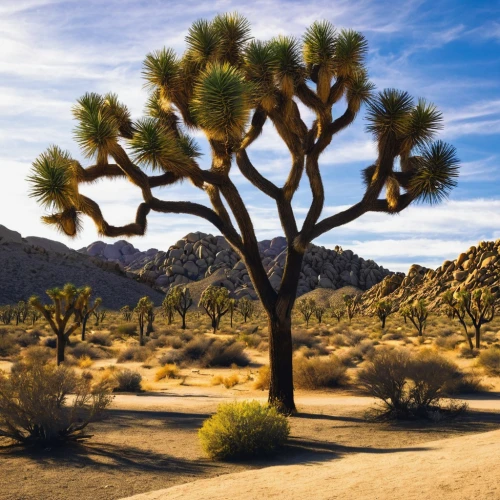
x=453 y=469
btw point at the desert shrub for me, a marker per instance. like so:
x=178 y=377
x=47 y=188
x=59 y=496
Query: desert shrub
x=448 y=342
x=408 y=386
x=167 y=371
x=34 y=404
x=302 y=338
x=127 y=381
x=263 y=378
x=339 y=340
x=84 y=362
x=252 y=340
x=49 y=342
x=7 y=346
x=134 y=353
x=100 y=338
x=490 y=360
x=172 y=357
x=227 y=353
x=27 y=339
x=466 y=383
x=83 y=349
x=319 y=373
x=364 y=350
x=227 y=382
x=467 y=353
x=392 y=336
x=354 y=337
x=243 y=429
x=127 y=329
x=196 y=348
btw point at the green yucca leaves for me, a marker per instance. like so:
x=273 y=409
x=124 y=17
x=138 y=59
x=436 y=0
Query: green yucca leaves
x=424 y=121
x=188 y=146
x=161 y=70
x=234 y=32
x=436 y=174
x=287 y=54
x=203 y=41
x=119 y=112
x=350 y=52
x=221 y=102
x=97 y=130
x=389 y=112
x=359 y=90
x=51 y=179
x=155 y=146
x=319 y=45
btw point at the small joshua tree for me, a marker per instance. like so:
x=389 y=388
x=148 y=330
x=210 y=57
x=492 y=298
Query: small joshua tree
x=246 y=308
x=181 y=301
x=88 y=309
x=168 y=308
x=306 y=307
x=383 y=308
x=143 y=310
x=127 y=313
x=63 y=315
x=351 y=303
x=99 y=315
x=480 y=307
x=455 y=307
x=215 y=301
x=6 y=314
x=233 y=306
x=21 y=311
x=337 y=312
x=34 y=315
x=404 y=312
x=319 y=311
x=418 y=314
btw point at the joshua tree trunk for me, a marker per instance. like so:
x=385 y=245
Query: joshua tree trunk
x=478 y=336
x=183 y=316
x=84 y=325
x=60 y=347
x=383 y=322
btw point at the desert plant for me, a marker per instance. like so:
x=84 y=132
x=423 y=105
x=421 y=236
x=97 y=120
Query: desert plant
x=6 y=314
x=127 y=381
x=7 y=345
x=228 y=85
x=168 y=308
x=337 y=311
x=67 y=304
x=351 y=304
x=306 y=307
x=226 y=353
x=233 y=305
x=456 y=306
x=490 y=360
x=181 y=301
x=35 y=408
x=418 y=314
x=243 y=429
x=383 y=308
x=87 y=309
x=246 y=308
x=167 y=371
x=126 y=313
x=133 y=353
x=319 y=311
x=317 y=373
x=102 y=339
x=21 y=311
x=144 y=311
x=215 y=302
x=99 y=314
x=34 y=315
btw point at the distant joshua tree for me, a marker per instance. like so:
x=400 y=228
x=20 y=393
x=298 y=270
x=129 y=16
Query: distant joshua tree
x=319 y=311
x=64 y=314
x=215 y=301
x=228 y=85
x=144 y=311
x=417 y=313
x=351 y=303
x=126 y=313
x=306 y=307
x=383 y=308
x=180 y=299
x=246 y=308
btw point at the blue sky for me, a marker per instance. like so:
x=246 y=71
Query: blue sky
x=51 y=52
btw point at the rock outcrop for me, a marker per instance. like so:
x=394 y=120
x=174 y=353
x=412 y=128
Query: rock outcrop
x=198 y=256
x=29 y=266
x=479 y=266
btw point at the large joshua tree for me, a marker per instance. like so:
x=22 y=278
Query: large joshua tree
x=228 y=85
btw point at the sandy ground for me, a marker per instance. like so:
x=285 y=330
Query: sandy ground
x=149 y=442
x=460 y=468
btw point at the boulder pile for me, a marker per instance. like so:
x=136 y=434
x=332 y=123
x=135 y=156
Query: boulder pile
x=479 y=266
x=199 y=255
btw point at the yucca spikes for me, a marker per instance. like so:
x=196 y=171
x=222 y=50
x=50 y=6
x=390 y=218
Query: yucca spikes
x=67 y=222
x=320 y=40
x=221 y=102
x=350 y=51
x=188 y=146
x=389 y=112
x=203 y=41
x=161 y=71
x=98 y=129
x=359 y=90
x=234 y=32
x=287 y=53
x=425 y=120
x=156 y=146
x=51 y=179
x=120 y=113
x=437 y=173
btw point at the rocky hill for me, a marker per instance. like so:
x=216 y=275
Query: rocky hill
x=198 y=256
x=31 y=265
x=477 y=267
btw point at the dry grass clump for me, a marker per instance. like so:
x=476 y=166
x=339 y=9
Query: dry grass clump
x=263 y=378
x=243 y=429
x=126 y=380
x=252 y=340
x=409 y=386
x=83 y=349
x=85 y=362
x=227 y=382
x=128 y=329
x=490 y=360
x=467 y=353
x=8 y=347
x=135 y=353
x=449 y=342
x=27 y=339
x=319 y=373
x=100 y=338
x=34 y=404
x=167 y=371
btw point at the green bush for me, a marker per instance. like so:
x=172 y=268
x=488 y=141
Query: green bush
x=317 y=373
x=490 y=360
x=127 y=381
x=242 y=430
